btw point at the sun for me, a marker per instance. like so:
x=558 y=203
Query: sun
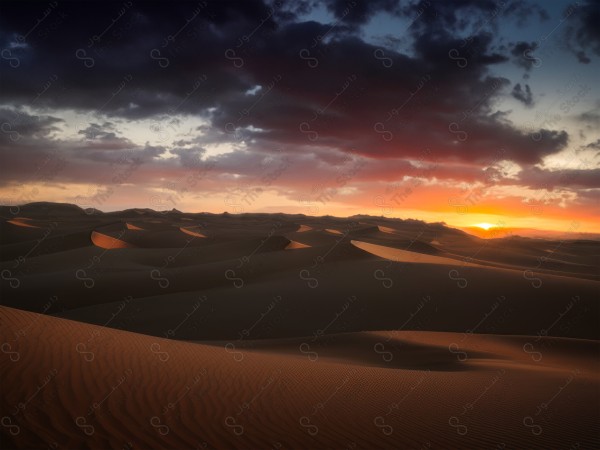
x=486 y=226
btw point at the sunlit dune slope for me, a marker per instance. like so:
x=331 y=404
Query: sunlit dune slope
x=398 y=255
x=192 y=233
x=76 y=384
x=133 y=227
x=293 y=245
x=108 y=242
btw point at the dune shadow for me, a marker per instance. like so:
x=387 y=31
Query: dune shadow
x=368 y=349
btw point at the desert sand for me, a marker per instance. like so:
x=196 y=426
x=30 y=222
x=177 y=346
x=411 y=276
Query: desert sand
x=192 y=232
x=148 y=329
x=22 y=222
x=385 y=229
x=108 y=242
x=304 y=228
x=293 y=245
x=395 y=254
x=77 y=385
x=130 y=226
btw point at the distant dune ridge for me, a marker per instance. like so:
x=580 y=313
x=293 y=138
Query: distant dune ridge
x=384 y=333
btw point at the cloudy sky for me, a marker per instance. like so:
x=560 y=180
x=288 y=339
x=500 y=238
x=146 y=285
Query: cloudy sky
x=460 y=111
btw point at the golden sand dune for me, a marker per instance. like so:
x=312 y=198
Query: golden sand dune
x=192 y=233
x=108 y=242
x=386 y=229
x=76 y=385
x=304 y=228
x=21 y=222
x=133 y=227
x=395 y=254
x=293 y=245
x=94 y=387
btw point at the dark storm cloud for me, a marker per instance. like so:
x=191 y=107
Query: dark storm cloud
x=452 y=15
x=523 y=53
x=472 y=16
x=589 y=198
x=145 y=62
x=448 y=94
x=16 y=125
x=537 y=178
x=31 y=151
x=360 y=11
x=583 y=31
x=524 y=95
x=524 y=11
x=320 y=85
x=189 y=156
x=96 y=131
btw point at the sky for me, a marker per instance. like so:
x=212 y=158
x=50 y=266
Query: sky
x=463 y=112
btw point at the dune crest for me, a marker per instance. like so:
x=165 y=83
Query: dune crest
x=333 y=231
x=192 y=233
x=386 y=229
x=293 y=245
x=19 y=222
x=133 y=227
x=304 y=228
x=395 y=254
x=108 y=242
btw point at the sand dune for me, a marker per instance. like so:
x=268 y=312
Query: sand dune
x=192 y=233
x=315 y=238
x=21 y=223
x=277 y=349
x=133 y=227
x=163 y=235
x=398 y=255
x=95 y=387
x=169 y=267
x=386 y=229
x=108 y=242
x=293 y=245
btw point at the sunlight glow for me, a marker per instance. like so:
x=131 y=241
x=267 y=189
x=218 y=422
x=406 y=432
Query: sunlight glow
x=484 y=225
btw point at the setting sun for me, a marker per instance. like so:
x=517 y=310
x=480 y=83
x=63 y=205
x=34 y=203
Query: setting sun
x=484 y=225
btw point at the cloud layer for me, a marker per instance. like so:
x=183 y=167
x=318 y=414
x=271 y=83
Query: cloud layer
x=301 y=86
